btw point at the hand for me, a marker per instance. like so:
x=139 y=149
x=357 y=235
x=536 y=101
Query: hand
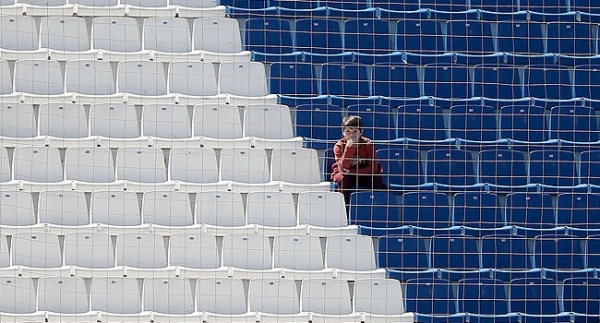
x=350 y=142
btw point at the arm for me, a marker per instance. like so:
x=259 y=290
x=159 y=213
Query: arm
x=367 y=153
x=343 y=157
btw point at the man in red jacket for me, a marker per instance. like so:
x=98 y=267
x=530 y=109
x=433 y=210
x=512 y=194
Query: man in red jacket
x=355 y=163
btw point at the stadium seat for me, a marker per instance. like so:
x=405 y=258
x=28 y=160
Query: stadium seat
x=367 y=36
x=47 y=250
x=220 y=208
x=167 y=208
x=533 y=296
x=64 y=34
x=295 y=166
x=450 y=167
x=17 y=120
x=401 y=167
x=6 y=84
x=592 y=254
x=120 y=208
x=378 y=296
x=37 y=164
x=322 y=209
x=194 y=250
x=64 y=295
x=18 y=295
x=89 y=164
x=325 y=296
x=246 y=4
x=167 y=34
x=577 y=210
x=268 y=35
x=430 y=296
x=553 y=167
x=444 y=5
x=520 y=37
x=145 y=78
x=421 y=122
x=293 y=79
x=374 y=209
x=478 y=210
x=171 y=121
x=421 y=36
x=396 y=80
x=482 y=296
x=573 y=123
x=581 y=295
x=62 y=120
x=318 y=36
x=494 y=5
x=426 y=209
x=273 y=296
x=530 y=210
x=194 y=78
x=89 y=250
x=117 y=295
x=63 y=207
x=586 y=81
x=502 y=167
x=378 y=120
x=114 y=120
x=345 y=4
x=141 y=250
x=298 y=252
x=554 y=6
x=271 y=208
x=16 y=208
x=402 y=252
x=473 y=122
x=4 y=252
x=345 y=80
x=446 y=81
x=141 y=3
x=571 y=38
x=168 y=295
x=217 y=35
x=242 y=79
x=5 y=170
x=454 y=252
x=217 y=121
x=505 y=252
x=293 y=4
x=554 y=251
x=273 y=121
x=547 y=82
x=128 y=29
x=224 y=296
x=193 y=165
x=142 y=165
x=94 y=3
x=395 y=5
x=589 y=172
x=469 y=36
x=18 y=33
x=314 y=122
x=89 y=77
x=245 y=165
x=497 y=82
x=350 y=252
x=39 y=77
x=247 y=251
x=523 y=122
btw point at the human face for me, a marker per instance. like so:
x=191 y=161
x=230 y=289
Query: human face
x=351 y=133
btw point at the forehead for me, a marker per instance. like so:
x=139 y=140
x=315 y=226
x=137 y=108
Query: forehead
x=351 y=129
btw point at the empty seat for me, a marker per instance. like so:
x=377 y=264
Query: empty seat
x=293 y=4
x=523 y=122
x=502 y=167
x=62 y=120
x=268 y=121
x=423 y=36
x=592 y=256
x=64 y=33
x=401 y=167
x=19 y=33
x=446 y=81
x=477 y=209
x=402 y=252
x=374 y=209
x=89 y=250
x=247 y=251
x=243 y=79
x=168 y=208
x=454 y=252
x=140 y=3
x=141 y=250
x=533 y=296
x=369 y=36
x=423 y=122
x=497 y=82
x=345 y=4
x=217 y=121
x=47 y=250
x=426 y=209
x=90 y=77
x=141 y=78
x=94 y=3
x=505 y=251
x=17 y=120
x=573 y=123
x=224 y=296
x=218 y=35
x=193 y=165
x=221 y=208
x=378 y=296
x=586 y=81
x=5 y=171
x=115 y=208
x=396 y=6
x=268 y=35
x=297 y=252
x=520 y=37
x=430 y=296
x=16 y=208
x=293 y=79
x=396 y=80
x=554 y=251
x=37 y=164
x=64 y=295
x=473 y=122
x=118 y=295
x=589 y=171
x=89 y=164
x=494 y=5
x=271 y=208
x=443 y=5
x=193 y=250
x=322 y=209
x=273 y=296
x=350 y=252
x=469 y=36
x=63 y=207
x=554 y=6
x=142 y=165
x=378 y=120
x=313 y=123
x=104 y=29
x=530 y=210
x=571 y=38
x=244 y=165
x=170 y=121
x=40 y=77
x=18 y=295
x=547 y=82
x=318 y=36
x=553 y=167
x=168 y=295
x=482 y=296
x=581 y=295
x=195 y=78
x=345 y=80
x=114 y=120
x=325 y=296
x=167 y=34
x=450 y=166
x=4 y=252
x=577 y=210
x=295 y=166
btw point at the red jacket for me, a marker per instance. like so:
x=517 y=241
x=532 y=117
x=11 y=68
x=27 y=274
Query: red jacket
x=358 y=159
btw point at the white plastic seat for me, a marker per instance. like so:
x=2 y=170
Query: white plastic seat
x=146 y=78
x=217 y=35
x=378 y=296
x=220 y=208
x=95 y=3
x=62 y=120
x=322 y=209
x=129 y=37
x=217 y=121
x=194 y=78
x=48 y=3
x=171 y=121
x=272 y=121
x=141 y=250
x=169 y=208
x=271 y=208
x=114 y=120
x=37 y=164
x=36 y=250
x=141 y=164
x=17 y=295
x=325 y=296
x=168 y=295
x=89 y=77
x=64 y=33
x=247 y=251
x=18 y=33
x=17 y=120
x=63 y=207
x=5 y=172
x=16 y=208
x=89 y=164
x=194 y=250
x=118 y=295
x=194 y=3
x=89 y=250
x=273 y=296
x=225 y=296
x=247 y=79
x=4 y=252
x=298 y=252
x=6 y=86
x=120 y=208
x=244 y=165
x=350 y=252
x=40 y=77
x=193 y=165
x=64 y=295
x=145 y=3
x=295 y=166
x=167 y=34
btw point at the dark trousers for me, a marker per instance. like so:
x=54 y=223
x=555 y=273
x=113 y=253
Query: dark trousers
x=350 y=183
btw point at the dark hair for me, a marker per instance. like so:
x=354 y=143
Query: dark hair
x=352 y=121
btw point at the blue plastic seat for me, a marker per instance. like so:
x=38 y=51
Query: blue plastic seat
x=571 y=38
x=545 y=6
x=502 y=167
x=426 y=209
x=298 y=5
x=395 y=5
x=379 y=121
x=368 y=36
x=246 y=4
x=345 y=80
x=588 y=6
x=520 y=37
x=482 y=296
x=402 y=252
x=454 y=252
x=497 y=82
x=268 y=35
x=319 y=36
x=523 y=122
x=590 y=167
x=472 y=37
x=430 y=296
x=592 y=251
x=506 y=252
x=374 y=209
x=586 y=81
x=495 y=5
x=421 y=122
x=558 y=251
x=420 y=36
x=345 y=4
x=553 y=167
x=530 y=210
x=582 y=295
x=473 y=122
x=477 y=210
x=547 y=82
x=444 y=5
x=446 y=81
x=534 y=296
x=401 y=167
x=293 y=78
x=450 y=167
x=399 y=81
x=573 y=123
x=578 y=210
x=319 y=124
